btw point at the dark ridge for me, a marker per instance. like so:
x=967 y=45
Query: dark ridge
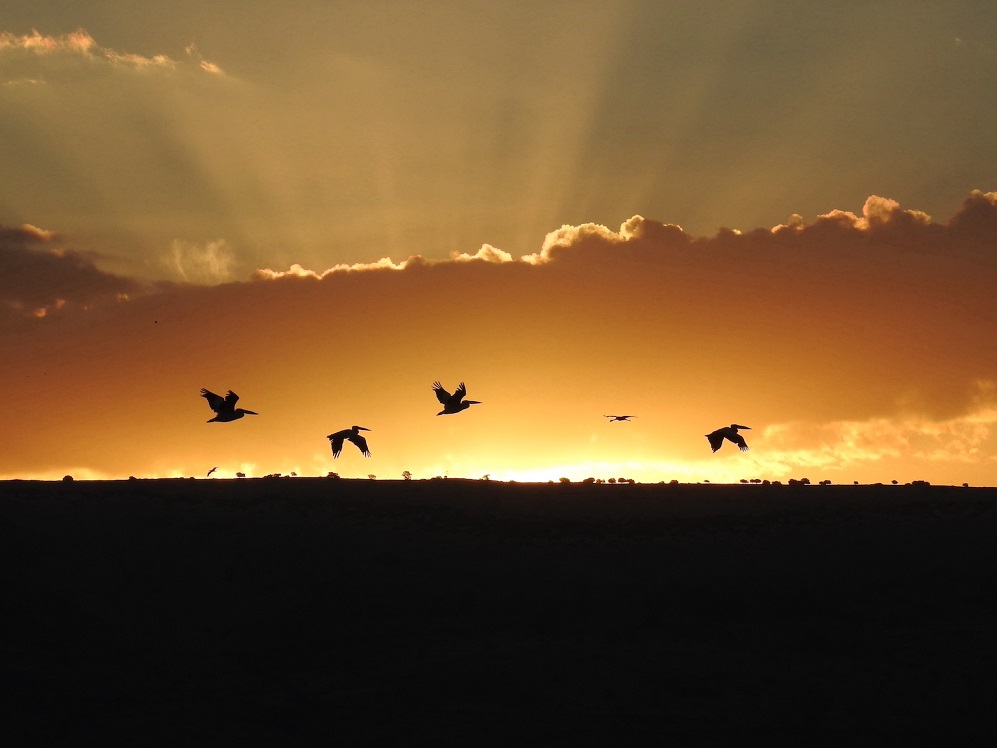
x=319 y=611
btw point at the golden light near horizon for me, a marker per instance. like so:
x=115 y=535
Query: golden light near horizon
x=327 y=224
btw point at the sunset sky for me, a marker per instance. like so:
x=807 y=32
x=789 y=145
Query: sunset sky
x=772 y=213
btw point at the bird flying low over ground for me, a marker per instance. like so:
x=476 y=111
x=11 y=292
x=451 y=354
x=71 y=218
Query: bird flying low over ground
x=353 y=435
x=619 y=418
x=211 y=471
x=730 y=433
x=454 y=403
x=225 y=406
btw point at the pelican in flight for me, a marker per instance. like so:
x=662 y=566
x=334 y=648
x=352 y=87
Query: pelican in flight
x=730 y=433
x=225 y=406
x=619 y=418
x=352 y=435
x=454 y=403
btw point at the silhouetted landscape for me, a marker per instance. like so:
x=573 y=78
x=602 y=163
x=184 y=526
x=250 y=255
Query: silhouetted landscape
x=331 y=611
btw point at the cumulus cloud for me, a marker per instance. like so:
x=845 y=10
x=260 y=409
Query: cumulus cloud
x=38 y=279
x=37 y=58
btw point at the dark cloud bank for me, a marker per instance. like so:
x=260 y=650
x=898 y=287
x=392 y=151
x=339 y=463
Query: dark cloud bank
x=864 y=310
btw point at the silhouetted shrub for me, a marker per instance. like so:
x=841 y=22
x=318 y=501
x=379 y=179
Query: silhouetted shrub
x=332 y=475
x=67 y=479
x=589 y=480
x=564 y=480
x=893 y=482
x=406 y=475
x=243 y=475
x=372 y=477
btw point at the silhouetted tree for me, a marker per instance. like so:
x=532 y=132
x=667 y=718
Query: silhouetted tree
x=240 y=475
x=565 y=480
x=612 y=480
x=372 y=477
x=332 y=475
x=406 y=475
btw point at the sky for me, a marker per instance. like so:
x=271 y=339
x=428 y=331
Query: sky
x=768 y=213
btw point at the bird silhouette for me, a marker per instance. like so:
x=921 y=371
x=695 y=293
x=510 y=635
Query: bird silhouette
x=619 y=418
x=454 y=403
x=211 y=471
x=353 y=435
x=225 y=406
x=717 y=437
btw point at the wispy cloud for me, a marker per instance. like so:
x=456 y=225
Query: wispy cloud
x=34 y=58
x=205 y=264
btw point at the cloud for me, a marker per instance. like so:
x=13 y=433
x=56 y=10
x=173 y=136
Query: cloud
x=845 y=342
x=36 y=58
x=38 y=280
x=207 y=264
x=849 y=445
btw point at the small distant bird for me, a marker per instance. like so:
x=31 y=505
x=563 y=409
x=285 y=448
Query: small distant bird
x=619 y=418
x=454 y=403
x=210 y=472
x=352 y=435
x=730 y=433
x=225 y=406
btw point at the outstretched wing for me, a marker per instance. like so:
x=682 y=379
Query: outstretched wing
x=739 y=441
x=716 y=439
x=460 y=393
x=336 y=440
x=360 y=442
x=231 y=399
x=214 y=401
x=441 y=394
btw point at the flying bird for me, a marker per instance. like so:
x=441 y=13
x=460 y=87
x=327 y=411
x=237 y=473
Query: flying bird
x=211 y=471
x=352 y=435
x=730 y=433
x=454 y=403
x=619 y=418
x=225 y=406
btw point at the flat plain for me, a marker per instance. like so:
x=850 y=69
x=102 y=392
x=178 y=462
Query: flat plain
x=317 y=611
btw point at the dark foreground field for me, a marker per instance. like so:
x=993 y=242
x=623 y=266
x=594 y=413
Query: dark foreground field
x=333 y=612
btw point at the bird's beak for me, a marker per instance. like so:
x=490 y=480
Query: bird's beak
x=361 y=428
x=250 y=412
x=745 y=427
x=473 y=402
